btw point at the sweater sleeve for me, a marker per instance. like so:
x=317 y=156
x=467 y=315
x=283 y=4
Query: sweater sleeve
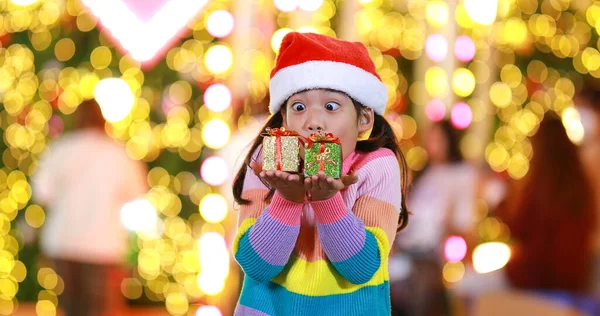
x=357 y=241
x=266 y=233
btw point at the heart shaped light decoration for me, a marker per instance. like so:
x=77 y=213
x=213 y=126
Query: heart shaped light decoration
x=145 y=28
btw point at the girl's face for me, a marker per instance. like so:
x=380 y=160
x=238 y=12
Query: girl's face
x=332 y=112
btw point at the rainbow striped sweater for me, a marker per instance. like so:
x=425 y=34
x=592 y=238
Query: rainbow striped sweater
x=322 y=257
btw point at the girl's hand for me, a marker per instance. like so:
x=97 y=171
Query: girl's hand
x=290 y=186
x=324 y=188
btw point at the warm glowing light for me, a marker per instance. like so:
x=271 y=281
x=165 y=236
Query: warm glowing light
x=482 y=11
x=139 y=216
x=463 y=82
x=490 y=257
x=278 y=37
x=218 y=59
x=220 y=23
x=286 y=5
x=436 y=47
x=115 y=98
x=437 y=13
x=215 y=134
x=143 y=36
x=208 y=311
x=217 y=97
x=213 y=208
x=24 y=2
x=571 y=120
x=214 y=171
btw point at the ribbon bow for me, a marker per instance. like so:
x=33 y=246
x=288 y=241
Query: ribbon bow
x=322 y=137
x=278 y=132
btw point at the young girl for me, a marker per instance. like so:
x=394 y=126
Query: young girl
x=319 y=246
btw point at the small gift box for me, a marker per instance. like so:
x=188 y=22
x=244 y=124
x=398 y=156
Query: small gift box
x=323 y=152
x=280 y=150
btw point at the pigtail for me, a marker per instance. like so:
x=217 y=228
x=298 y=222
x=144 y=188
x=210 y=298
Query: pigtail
x=383 y=135
x=275 y=121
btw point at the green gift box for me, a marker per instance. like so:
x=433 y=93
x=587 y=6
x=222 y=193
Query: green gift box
x=323 y=152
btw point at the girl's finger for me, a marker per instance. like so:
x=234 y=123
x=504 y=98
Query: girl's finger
x=316 y=183
x=308 y=184
x=256 y=167
x=331 y=184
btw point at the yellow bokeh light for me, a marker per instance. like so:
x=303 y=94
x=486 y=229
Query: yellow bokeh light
x=7 y=307
x=87 y=84
x=213 y=208
x=498 y=159
x=453 y=271
x=571 y=120
x=307 y=29
x=215 y=133
x=500 y=94
x=416 y=158
x=482 y=11
x=35 y=216
x=41 y=40
x=514 y=32
x=218 y=59
x=177 y=303
x=19 y=271
x=278 y=37
x=45 y=308
x=210 y=284
x=131 y=288
x=463 y=82
x=436 y=82
x=518 y=166
x=462 y=17
x=86 y=21
x=437 y=13
x=101 y=57
x=64 y=49
x=24 y=2
x=8 y=287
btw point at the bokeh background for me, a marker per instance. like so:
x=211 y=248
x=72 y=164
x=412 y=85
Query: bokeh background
x=183 y=86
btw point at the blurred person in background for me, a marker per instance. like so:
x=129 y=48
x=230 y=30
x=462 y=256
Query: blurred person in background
x=84 y=179
x=442 y=201
x=551 y=216
x=588 y=103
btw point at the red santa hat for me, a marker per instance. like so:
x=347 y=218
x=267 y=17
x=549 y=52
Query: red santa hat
x=313 y=61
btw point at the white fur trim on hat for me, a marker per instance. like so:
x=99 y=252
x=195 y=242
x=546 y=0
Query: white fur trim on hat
x=359 y=84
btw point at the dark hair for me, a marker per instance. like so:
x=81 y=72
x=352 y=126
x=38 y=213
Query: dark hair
x=453 y=137
x=382 y=136
x=89 y=115
x=557 y=179
x=591 y=92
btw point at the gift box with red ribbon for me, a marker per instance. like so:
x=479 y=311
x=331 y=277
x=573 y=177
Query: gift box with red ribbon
x=323 y=152
x=280 y=150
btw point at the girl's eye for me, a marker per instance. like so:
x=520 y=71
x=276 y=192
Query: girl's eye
x=332 y=106
x=298 y=107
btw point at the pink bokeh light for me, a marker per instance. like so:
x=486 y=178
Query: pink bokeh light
x=436 y=47
x=464 y=48
x=455 y=248
x=435 y=110
x=461 y=115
